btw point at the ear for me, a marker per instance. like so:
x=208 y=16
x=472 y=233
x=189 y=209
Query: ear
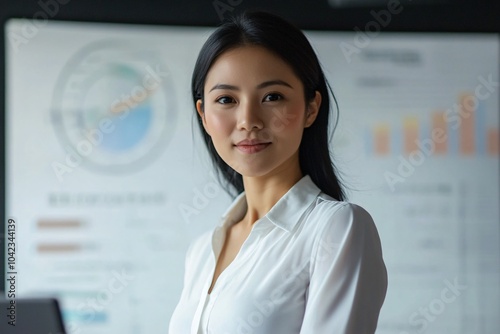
x=201 y=112
x=312 y=110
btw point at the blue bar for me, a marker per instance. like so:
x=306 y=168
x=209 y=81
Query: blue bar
x=453 y=144
x=480 y=129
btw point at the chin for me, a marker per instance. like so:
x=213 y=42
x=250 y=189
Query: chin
x=259 y=171
x=252 y=172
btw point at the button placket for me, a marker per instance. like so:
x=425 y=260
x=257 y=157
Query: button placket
x=246 y=248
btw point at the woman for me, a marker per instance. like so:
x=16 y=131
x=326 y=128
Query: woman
x=289 y=255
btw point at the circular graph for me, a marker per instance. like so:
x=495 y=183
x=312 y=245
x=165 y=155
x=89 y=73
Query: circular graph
x=114 y=106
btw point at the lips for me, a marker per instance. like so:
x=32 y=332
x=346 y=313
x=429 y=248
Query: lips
x=252 y=145
x=250 y=142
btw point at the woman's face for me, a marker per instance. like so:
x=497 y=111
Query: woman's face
x=250 y=93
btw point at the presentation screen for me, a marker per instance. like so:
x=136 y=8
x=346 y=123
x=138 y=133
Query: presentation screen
x=108 y=180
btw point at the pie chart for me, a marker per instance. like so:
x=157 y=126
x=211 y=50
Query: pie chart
x=114 y=106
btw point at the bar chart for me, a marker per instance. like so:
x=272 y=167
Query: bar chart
x=461 y=130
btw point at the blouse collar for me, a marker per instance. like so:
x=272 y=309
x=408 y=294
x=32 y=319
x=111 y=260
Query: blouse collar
x=285 y=213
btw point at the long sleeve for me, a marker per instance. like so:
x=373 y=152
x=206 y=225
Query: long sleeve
x=348 y=278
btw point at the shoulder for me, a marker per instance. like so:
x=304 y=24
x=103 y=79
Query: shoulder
x=343 y=222
x=345 y=214
x=347 y=238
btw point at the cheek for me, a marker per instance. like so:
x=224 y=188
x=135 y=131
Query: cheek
x=287 y=121
x=218 y=125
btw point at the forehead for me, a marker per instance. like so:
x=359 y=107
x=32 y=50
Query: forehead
x=249 y=64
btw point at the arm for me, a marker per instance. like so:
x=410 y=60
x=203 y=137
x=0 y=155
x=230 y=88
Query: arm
x=348 y=279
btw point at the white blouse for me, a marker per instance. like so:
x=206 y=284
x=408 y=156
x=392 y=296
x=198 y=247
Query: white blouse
x=204 y=317
x=311 y=265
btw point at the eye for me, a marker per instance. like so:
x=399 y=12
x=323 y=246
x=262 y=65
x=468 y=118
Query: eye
x=225 y=100
x=273 y=97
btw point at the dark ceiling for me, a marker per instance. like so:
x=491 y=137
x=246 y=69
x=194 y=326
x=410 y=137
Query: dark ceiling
x=406 y=15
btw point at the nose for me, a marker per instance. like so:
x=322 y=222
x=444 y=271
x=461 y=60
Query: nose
x=249 y=116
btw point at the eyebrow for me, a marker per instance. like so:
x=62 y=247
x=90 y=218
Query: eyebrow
x=259 y=86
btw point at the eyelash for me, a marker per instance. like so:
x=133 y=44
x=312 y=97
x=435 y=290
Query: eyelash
x=280 y=97
x=218 y=100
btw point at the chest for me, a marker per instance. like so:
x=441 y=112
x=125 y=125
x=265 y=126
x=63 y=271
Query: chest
x=266 y=289
x=263 y=271
x=232 y=246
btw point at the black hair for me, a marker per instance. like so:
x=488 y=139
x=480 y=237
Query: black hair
x=289 y=43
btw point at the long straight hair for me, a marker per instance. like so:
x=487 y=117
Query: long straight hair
x=290 y=44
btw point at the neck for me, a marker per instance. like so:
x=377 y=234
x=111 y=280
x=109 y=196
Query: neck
x=263 y=192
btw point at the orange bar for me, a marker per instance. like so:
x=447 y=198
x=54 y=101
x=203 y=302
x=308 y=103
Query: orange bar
x=439 y=127
x=410 y=134
x=381 y=140
x=467 y=142
x=58 y=248
x=493 y=140
x=42 y=224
